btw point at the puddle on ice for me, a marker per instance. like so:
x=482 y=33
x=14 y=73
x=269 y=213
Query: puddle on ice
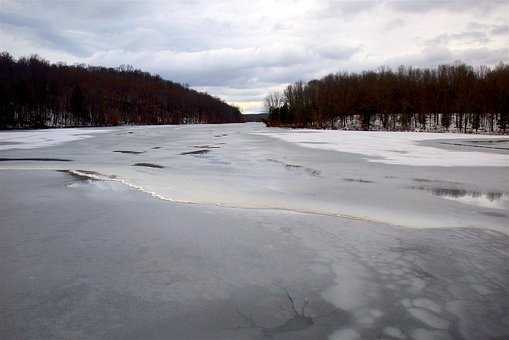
x=10 y=143
x=497 y=144
x=289 y=166
x=206 y=146
x=197 y=152
x=495 y=200
x=358 y=180
x=129 y=152
x=149 y=165
x=316 y=143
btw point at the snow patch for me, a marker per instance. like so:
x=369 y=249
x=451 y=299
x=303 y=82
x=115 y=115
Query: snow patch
x=31 y=139
x=401 y=148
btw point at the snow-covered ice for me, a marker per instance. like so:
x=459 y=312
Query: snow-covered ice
x=395 y=147
x=30 y=139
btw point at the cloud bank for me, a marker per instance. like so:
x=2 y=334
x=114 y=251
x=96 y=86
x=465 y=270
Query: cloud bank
x=239 y=50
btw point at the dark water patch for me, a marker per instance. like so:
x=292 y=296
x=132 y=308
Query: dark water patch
x=289 y=166
x=489 y=141
x=197 y=152
x=422 y=180
x=399 y=151
x=427 y=180
x=457 y=193
x=494 y=214
x=316 y=143
x=130 y=132
x=156 y=148
x=490 y=199
x=88 y=174
x=476 y=146
x=129 y=152
x=358 y=180
x=85 y=174
x=35 y=160
x=391 y=177
x=10 y=143
x=313 y=172
x=75 y=175
x=206 y=147
x=221 y=135
x=149 y=165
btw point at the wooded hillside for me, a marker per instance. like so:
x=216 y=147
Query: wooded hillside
x=35 y=93
x=446 y=98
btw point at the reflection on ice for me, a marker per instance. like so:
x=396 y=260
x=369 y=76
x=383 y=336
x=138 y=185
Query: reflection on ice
x=496 y=200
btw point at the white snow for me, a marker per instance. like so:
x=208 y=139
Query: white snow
x=31 y=139
x=394 y=147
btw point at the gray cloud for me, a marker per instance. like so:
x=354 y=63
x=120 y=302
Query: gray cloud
x=40 y=32
x=500 y=30
x=394 y=24
x=420 y=6
x=241 y=49
x=466 y=37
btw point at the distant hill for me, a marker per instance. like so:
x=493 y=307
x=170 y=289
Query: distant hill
x=255 y=117
x=35 y=93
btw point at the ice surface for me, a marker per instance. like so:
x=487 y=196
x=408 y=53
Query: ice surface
x=394 y=147
x=119 y=251
x=244 y=168
x=30 y=139
x=425 y=334
x=428 y=318
x=394 y=332
x=345 y=334
x=427 y=304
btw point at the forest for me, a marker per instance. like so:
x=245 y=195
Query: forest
x=455 y=98
x=35 y=93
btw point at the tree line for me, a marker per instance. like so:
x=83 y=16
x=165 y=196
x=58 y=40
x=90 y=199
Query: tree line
x=454 y=97
x=35 y=94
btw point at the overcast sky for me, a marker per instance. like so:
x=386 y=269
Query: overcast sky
x=240 y=50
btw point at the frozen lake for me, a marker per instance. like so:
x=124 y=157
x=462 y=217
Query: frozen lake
x=244 y=232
